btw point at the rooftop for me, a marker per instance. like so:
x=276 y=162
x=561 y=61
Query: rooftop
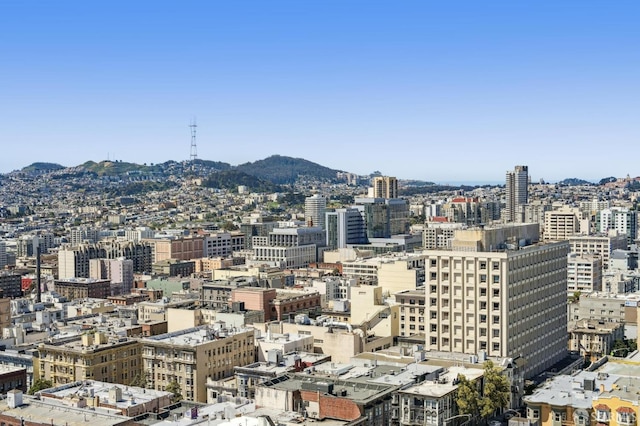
x=446 y=382
x=194 y=336
x=131 y=395
x=44 y=412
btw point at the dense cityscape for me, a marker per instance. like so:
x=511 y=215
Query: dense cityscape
x=284 y=292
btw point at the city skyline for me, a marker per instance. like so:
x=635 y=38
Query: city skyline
x=434 y=92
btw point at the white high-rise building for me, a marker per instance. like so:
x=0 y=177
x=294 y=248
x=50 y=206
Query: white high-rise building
x=517 y=193
x=314 y=209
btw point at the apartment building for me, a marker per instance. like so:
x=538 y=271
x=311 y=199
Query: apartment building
x=83 y=288
x=602 y=245
x=412 y=311
x=92 y=356
x=190 y=356
x=584 y=273
x=594 y=339
x=563 y=223
x=506 y=303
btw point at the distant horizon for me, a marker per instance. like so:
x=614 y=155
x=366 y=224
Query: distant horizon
x=444 y=182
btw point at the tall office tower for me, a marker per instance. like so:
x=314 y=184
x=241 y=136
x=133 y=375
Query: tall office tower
x=314 y=209
x=385 y=187
x=345 y=226
x=383 y=217
x=492 y=297
x=517 y=193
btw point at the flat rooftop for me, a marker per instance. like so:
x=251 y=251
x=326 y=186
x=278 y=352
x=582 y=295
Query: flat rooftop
x=131 y=395
x=193 y=336
x=44 y=412
x=446 y=382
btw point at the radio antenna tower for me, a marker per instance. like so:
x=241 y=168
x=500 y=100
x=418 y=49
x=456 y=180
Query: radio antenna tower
x=194 y=148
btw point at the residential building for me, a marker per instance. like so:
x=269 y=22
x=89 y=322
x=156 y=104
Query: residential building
x=323 y=398
x=517 y=193
x=584 y=273
x=285 y=343
x=82 y=288
x=594 y=339
x=438 y=235
x=96 y=356
x=127 y=401
x=188 y=357
x=619 y=219
x=602 y=245
x=563 y=223
x=433 y=402
x=10 y=284
x=223 y=244
x=12 y=378
x=315 y=208
x=385 y=187
x=506 y=303
x=181 y=248
x=412 y=311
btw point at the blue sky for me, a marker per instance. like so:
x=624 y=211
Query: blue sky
x=445 y=91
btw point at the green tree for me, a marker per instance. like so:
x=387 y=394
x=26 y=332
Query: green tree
x=140 y=380
x=495 y=392
x=175 y=389
x=38 y=385
x=468 y=396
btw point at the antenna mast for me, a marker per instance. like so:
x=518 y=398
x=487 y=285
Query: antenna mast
x=194 y=148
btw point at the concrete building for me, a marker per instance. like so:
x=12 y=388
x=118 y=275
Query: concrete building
x=10 y=285
x=607 y=307
x=563 y=223
x=594 y=339
x=190 y=356
x=412 y=312
x=433 y=402
x=12 y=378
x=118 y=271
x=345 y=227
x=602 y=245
x=315 y=208
x=438 y=235
x=385 y=187
x=517 y=193
x=223 y=244
x=383 y=217
x=95 y=356
x=277 y=305
x=326 y=398
x=83 y=288
x=181 y=248
x=505 y=303
x=619 y=219
x=74 y=261
x=285 y=344
x=584 y=273
x=127 y=401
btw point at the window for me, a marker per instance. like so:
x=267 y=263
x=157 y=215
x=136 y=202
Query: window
x=483 y=278
x=496 y=279
x=533 y=413
x=483 y=265
x=602 y=415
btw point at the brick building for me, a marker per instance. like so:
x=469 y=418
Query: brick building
x=82 y=288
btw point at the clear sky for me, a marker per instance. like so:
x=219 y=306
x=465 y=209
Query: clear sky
x=446 y=91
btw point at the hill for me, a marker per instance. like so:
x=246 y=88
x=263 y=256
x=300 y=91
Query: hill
x=286 y=170
x=231 y=179
x=112 y=168
x=42 y=167
x=574 y=182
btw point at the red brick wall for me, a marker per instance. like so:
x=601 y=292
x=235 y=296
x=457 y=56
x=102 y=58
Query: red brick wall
x=333 y=407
